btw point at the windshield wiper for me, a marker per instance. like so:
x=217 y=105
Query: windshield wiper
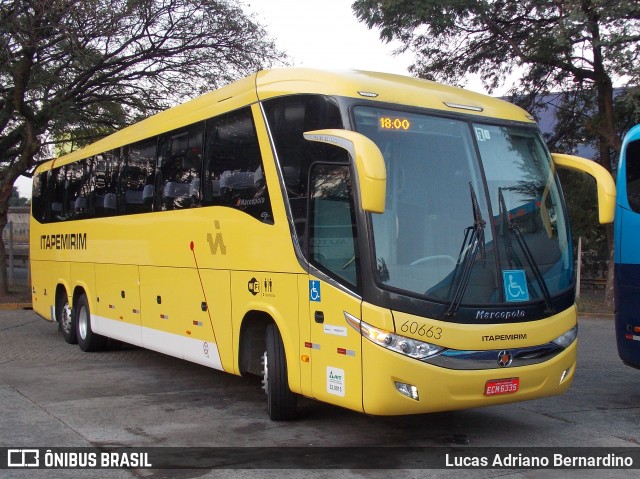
x=512 y=227
x=506 y=225
x=472 y=243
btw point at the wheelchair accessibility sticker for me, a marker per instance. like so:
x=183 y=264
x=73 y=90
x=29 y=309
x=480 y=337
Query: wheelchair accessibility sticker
x=515 y=285
x=314 y=291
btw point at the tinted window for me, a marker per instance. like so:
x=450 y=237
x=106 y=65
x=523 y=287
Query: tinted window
x=289 y=117
x=234 y=175
x=163 y=173
x=332 y=231
x=82 y=188
x=38 y=197
x=59 y=194
x=137 y=179
x=633 y=175
x=179 y=168
x=106 y=168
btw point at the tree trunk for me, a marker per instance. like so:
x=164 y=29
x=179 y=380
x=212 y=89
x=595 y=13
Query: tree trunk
x=609 y=296
x=603 y=124
x=29 y=147
x=608 y=140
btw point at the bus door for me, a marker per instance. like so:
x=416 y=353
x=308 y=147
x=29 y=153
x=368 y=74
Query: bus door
x=334 y=346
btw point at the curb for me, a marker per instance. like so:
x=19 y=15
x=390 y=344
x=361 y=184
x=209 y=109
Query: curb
x=14 y=306
x=597 y=315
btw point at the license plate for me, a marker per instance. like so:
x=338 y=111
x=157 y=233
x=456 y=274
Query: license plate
x=495 y=387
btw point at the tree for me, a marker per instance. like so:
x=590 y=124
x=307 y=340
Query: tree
x=16 y=200
x=577 y=46
x=74 y=70
x=580 y=190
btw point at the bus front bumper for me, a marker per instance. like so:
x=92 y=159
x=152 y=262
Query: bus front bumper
x=389 y=379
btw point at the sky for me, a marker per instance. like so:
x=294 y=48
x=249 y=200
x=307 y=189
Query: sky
x=326 y=34
x=320 y=34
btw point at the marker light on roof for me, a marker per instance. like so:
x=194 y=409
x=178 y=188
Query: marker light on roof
x=463 y=107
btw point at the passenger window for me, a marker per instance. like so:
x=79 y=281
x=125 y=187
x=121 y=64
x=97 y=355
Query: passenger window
x=39 y=203
x=137 y=179
x=332 y=223
x=179 y=167
x=633 y=175
x=106 y=168
x=59 y=194
x=79 y=188
x=234 y=175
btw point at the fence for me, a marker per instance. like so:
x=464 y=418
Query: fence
x=16 y=241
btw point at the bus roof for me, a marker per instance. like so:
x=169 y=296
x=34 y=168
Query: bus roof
x=385 y=87
x=286 y=81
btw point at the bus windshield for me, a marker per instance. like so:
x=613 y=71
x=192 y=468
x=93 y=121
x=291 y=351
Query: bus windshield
x=473 y=212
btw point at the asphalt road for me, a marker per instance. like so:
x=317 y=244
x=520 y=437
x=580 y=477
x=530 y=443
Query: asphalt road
x=54 y=395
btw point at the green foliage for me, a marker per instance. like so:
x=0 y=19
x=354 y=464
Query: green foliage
x=16 y=199
x=568 y=46
x=577 y=47
x=582 y=205
x=74 y=70
x=550 y=40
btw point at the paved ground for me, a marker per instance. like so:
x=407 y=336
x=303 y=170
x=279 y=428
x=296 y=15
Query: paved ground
x=52 y=394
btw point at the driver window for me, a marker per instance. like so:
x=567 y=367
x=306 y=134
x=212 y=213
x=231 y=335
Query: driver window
x=332 y=227
x=633 y=175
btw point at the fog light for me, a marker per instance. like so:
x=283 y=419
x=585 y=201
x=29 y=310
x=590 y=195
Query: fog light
x=407 y=390
x=564 y=375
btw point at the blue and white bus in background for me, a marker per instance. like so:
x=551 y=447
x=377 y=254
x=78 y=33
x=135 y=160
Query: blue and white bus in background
x=627 y=250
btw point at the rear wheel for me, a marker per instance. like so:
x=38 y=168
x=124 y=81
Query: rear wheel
x=66 y=325
x=281 y=402
x=87 y=339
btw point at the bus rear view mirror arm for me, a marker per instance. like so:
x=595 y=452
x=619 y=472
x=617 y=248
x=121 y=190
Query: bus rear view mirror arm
x=604 y=181
x=369 y=164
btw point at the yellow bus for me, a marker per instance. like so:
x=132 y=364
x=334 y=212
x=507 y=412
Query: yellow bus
x=382 y=243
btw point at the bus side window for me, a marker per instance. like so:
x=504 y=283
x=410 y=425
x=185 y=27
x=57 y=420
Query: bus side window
x=633 y=175
x=234 y=175
x=105 y=172
x=332 y=227
x=179 y=168
x=81 y=189
x=39 y=203
x=137 y=179
x=57 y=194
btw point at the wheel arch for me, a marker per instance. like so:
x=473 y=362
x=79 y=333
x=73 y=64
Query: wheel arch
x=61 y=294
x=252 y=344
x=79 y=289
x=252 y=341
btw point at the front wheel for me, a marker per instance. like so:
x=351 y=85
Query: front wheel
x=281 y=402
x=87 y=339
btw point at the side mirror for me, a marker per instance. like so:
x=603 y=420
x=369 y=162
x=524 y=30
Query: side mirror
x=604 y=181
x=369 y=163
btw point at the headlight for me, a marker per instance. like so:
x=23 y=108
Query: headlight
x=400 y=344
x=567 y=338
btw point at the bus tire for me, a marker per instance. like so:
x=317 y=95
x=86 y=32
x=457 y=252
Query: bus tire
x=64 y=316
x=87 y=339
x=281 y=402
